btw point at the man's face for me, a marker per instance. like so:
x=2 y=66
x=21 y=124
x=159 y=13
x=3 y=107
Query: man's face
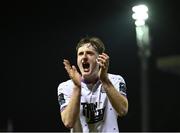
x=86 y=60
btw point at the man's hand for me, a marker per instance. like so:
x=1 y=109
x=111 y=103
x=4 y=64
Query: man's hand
x=72 y=72
x=118 y=101
x=103 y=61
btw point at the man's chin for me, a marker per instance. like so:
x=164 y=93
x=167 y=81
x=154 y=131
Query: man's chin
x=86 y=74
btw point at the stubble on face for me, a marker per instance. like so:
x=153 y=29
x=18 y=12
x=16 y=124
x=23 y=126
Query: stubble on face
x=86 y=60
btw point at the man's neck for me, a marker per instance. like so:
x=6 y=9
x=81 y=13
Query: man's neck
x=90 y=81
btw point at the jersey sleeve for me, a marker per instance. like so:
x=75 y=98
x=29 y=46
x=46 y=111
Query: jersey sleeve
x=121 y=85
x=63 y=95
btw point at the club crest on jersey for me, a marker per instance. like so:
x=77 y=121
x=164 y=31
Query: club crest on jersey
x=122 y=87
x=61 y=99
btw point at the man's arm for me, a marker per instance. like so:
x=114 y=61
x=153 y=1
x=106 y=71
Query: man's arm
x=71 y=112
x=118 y=101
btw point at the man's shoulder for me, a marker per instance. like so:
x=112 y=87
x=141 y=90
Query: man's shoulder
x=66 y=84
x=114 y=76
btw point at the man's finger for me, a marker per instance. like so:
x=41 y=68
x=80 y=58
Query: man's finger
x=67 y=64
x=104 y=56
x=101 y=64
x=74 y=68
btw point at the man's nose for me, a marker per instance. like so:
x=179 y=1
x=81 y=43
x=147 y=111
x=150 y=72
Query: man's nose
x=84 y=58
x=84 y=55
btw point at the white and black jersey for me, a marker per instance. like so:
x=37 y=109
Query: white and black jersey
x=96 y=111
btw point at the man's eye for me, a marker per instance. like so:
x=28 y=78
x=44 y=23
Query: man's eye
x=80 y=53
x=90 y=53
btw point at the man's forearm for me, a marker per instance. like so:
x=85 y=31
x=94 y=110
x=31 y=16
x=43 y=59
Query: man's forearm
x=71 y=112
x=118 y=101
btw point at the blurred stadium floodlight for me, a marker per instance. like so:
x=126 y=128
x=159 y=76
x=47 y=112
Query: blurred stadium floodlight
x=140 y=15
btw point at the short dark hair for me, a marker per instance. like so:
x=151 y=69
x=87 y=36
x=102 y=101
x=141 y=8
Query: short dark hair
x=94 y=41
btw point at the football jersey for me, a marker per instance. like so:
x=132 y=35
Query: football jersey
x=96 y=111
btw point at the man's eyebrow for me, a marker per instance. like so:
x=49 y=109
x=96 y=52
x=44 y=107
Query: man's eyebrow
x=80 y=52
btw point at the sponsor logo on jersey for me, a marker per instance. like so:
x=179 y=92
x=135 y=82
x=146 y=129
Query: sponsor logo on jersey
x=91 y=112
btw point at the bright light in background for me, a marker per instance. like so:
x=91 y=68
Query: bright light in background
x=140 y=8
x=139 y=22
x=140 y=14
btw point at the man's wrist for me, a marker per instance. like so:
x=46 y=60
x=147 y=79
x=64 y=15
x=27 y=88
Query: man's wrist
x=77 y=90
x=77 y=86
x=106 y=83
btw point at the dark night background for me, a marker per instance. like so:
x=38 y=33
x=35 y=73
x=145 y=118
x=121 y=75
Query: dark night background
x=37 y=35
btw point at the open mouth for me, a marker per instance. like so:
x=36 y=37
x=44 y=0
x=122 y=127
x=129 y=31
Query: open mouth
x=86 y=66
